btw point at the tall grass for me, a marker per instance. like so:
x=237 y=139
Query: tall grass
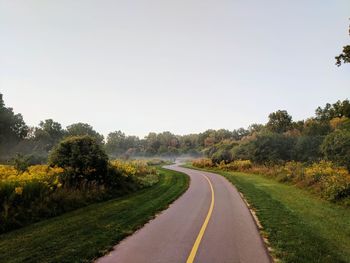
x=323 y=178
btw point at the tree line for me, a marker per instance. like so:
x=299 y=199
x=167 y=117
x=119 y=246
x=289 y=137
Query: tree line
x=323 y=136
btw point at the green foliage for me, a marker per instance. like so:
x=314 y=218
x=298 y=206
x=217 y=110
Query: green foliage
x=81 y=129
x=12 y=127
x=271 y=148
x=316 y=127
x=279 y=121
x=118 y=144
x=82 y=158
x=336 y=147
x=48 y=134
x=330 y=111
x=344 y=57
x=307 y=148
x=21 y=163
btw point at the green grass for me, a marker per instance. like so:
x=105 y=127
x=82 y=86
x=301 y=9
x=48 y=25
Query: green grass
x=300 y=227
x=89 y=232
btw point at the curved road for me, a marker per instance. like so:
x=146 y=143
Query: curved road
x=209 y=223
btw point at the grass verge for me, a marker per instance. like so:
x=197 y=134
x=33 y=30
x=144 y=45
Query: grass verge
x=299 y=226
x=89 y=232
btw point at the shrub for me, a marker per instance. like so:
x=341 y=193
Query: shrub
x=323 y=178
x=137 y=171
x=336 y=147
x=239 y=165
x=82 y=158
x=21 y=163
x=202 y=163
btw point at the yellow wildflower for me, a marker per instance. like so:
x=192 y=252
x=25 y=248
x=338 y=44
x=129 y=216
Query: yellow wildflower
x=19 y=190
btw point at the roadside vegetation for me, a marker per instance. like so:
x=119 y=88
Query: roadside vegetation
x=299 y=226
x=89 y=232
x=323 y=179
x=79 y=173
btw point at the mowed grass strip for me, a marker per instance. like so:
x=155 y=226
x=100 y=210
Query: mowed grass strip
x=300 y=227
x=89 y=232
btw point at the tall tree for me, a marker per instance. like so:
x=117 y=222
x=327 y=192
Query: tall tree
x=48 y=134
x=279 y=121
x=12 y=127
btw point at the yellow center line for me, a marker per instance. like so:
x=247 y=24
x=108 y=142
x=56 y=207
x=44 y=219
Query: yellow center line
x=193 y=253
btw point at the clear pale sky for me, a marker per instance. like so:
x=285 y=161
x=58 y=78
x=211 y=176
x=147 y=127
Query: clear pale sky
x=183 y=66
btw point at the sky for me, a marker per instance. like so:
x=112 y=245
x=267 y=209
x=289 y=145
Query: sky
x=182 y=66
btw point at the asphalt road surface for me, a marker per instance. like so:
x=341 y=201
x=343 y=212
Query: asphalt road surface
x=210 y=223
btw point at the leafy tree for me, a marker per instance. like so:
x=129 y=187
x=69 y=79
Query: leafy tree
x=279 y=121
x=336 y=147
x=243 y=151
x=119 y=144
x=80 y=129
x=255 y=128
x=82 y=158
x=271 y=148
x=316 y=127
x=307 y=148
x=151 y=144
x=330 y=111
x=48 y=134
x=12 y=126
x=239 y=133
x=344 y=57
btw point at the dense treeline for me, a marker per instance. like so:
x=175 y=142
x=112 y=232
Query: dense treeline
x=324 y=136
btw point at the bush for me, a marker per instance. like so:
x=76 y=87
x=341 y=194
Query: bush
x=38 y=193
x=82 y=158
x=21 y=163
x=202 y=163
x=336 y=147
x=238 y=165
x=139 y=172
x=323 y=178
x=332 y=182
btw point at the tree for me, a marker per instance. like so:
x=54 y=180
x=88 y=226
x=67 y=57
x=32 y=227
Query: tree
x=12 y=127
x=279 y=121
x=315 y=127
x=336 y=147
x=344 y=57
x=80 y=129
x=239 y=133
x=307 y=148
x=119 y=144
x=272 y=148
x=82 y=158
x=48 y=134
x=335 y=110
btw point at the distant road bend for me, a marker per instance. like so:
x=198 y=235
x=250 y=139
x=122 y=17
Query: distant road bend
x=210 y=223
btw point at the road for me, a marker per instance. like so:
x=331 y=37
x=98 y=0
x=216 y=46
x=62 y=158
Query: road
x=209 y=223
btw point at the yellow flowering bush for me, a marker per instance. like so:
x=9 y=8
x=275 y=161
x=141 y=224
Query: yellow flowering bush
x=318 y=171
x=238 y=165
x=139 y=170
x=126 y=168
x=323 y=178
x=203 y=163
